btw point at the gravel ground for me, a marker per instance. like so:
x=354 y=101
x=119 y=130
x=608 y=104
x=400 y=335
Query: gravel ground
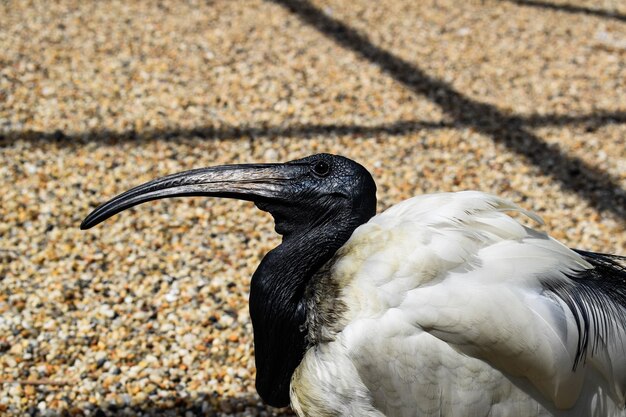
x=147 y=313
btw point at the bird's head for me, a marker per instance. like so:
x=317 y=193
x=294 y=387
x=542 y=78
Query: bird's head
x=301 y=195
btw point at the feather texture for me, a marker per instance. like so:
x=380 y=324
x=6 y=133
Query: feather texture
x=450 y=307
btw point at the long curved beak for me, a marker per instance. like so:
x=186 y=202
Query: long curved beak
x=252 y=182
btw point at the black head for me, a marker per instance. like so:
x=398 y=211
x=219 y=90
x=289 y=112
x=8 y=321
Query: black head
x=325 y=188
x=300 y=194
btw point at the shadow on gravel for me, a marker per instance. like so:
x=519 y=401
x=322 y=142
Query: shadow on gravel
x=601 y=190
x=590 y=122
x=570 y=8
x=208 y=406
x=222 y=133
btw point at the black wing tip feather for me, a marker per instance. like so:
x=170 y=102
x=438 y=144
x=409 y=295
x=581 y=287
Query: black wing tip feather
x=597 y=299
x=607 y=277
x=604 y=259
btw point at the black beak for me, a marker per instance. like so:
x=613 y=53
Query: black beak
x=252 y=182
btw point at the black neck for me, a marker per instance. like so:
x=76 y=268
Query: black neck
x=278 y=309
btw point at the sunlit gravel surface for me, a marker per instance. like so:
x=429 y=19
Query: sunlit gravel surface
x=146 y=314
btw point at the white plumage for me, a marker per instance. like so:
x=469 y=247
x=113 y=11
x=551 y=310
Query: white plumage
x=447 y=311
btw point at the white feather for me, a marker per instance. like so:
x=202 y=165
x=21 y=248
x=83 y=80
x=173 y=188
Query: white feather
x=446 y=316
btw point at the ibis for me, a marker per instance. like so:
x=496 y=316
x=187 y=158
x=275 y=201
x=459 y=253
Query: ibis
x=442 y=305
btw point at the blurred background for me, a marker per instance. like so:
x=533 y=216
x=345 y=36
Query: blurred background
x=147 y=313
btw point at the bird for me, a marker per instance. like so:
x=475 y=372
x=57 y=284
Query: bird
x=442 y=305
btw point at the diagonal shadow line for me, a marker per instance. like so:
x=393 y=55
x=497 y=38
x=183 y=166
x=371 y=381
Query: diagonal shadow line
x=570 y=8
x=600 y=189
x=223 y=133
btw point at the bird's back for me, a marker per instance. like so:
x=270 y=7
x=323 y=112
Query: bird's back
x=445 y=306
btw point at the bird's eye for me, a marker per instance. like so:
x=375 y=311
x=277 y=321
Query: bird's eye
x=321 y=168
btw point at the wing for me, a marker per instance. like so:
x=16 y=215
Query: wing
x=458 y=267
